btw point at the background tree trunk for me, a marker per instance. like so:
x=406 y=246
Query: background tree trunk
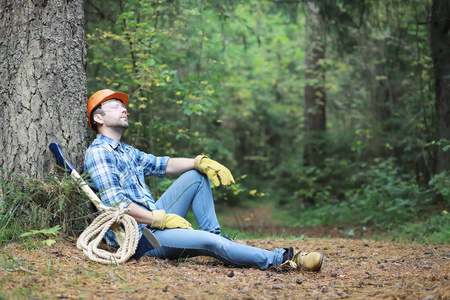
x=315 y=119
x=440 y=45
x=43 y=85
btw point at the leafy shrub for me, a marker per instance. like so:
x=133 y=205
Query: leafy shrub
x=32 y=204
x=377 y=194
x=434 y=230
x=388 y=197
x=441 y=183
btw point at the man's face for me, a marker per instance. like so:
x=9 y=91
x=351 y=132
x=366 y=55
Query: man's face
x=115 y=114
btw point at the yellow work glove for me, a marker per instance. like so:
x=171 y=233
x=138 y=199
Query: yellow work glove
x=161 y=220
x=214 y=170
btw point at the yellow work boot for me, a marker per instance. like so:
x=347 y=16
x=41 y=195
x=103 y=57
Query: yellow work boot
x=310 y=260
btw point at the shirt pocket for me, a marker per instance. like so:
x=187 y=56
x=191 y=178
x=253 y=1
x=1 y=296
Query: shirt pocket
x=125 y=180
x=126 y=176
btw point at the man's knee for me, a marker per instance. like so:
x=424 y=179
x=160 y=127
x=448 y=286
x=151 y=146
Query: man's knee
x=196 y=175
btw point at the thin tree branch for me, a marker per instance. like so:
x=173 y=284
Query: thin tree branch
x=102 y=14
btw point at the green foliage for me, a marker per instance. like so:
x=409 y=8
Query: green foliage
x=441 y=182
x=44 y=232
x=434 y=230
x=387 y=197
x=226 y=79
x=442 y=143
x=375 y=194
x=30 y=204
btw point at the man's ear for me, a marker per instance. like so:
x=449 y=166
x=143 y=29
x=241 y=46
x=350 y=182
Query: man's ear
x=98 y=119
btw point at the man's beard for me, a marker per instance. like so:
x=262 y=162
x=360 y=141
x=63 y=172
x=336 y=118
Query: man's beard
x=120 y=128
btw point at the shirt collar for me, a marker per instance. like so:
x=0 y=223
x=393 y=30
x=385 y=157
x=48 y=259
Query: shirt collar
x=113 y=143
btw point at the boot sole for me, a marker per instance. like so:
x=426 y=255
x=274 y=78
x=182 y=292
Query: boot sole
x=320 y=263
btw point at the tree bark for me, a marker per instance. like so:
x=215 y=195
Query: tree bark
x=43 y=90
x=440 y=46
x=315 y=118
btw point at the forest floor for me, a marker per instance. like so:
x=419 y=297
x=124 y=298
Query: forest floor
x=354 y=268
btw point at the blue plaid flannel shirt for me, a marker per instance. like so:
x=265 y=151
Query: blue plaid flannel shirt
x=117 y=171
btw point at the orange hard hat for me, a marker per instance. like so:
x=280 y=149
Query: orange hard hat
x=101 y=96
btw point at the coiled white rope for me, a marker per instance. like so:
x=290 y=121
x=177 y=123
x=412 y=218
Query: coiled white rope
x=91 y=237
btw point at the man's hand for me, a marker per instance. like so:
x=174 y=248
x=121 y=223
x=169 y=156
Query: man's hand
x=161 y=220
x=214 y=170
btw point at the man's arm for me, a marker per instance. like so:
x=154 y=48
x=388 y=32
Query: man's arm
x=140 y=214
x=177 y=166
x=211 y=168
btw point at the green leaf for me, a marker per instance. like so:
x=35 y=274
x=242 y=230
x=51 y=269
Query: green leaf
x=49 y=242
x=52 y=231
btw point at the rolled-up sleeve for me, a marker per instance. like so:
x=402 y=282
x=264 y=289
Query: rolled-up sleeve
x=152 y=165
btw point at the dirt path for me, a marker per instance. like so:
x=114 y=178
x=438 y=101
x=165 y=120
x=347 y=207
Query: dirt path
x=353 y=269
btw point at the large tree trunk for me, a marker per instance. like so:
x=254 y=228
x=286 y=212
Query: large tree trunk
x=440 y=45
x=315 y=119
x=43 y=85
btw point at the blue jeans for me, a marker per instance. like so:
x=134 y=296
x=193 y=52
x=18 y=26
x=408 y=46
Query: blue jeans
x=193 y=189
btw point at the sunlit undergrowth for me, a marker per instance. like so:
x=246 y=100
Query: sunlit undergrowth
x=377 y=195
x=33 y=204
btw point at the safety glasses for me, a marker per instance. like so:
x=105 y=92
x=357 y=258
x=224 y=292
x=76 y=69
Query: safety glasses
x=112 y=105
